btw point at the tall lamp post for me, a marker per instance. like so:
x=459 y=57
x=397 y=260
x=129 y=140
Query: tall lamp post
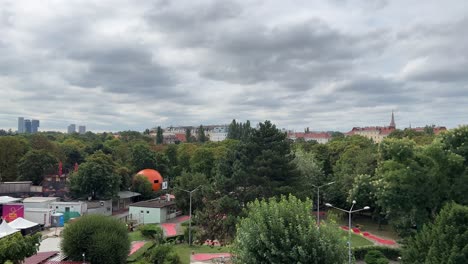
x=318 y=200
x=190 y=213
x=350 y=212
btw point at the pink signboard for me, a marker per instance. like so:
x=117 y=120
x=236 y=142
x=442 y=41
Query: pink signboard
x=12 y=211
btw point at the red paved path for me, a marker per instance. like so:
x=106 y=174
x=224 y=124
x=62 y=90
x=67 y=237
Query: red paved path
x=370 y=236
x=170 y=229
x=136 y=246
x=209 y=256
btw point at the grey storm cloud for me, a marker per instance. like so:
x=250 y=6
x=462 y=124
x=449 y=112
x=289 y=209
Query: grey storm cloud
x=116 y=65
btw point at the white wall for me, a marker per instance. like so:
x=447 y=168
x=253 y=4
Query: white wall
x=79 y=207
x=144 y=215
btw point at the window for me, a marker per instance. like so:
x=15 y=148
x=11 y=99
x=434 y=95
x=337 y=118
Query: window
x=156 y=181
x=141 y=212
x=147 y=212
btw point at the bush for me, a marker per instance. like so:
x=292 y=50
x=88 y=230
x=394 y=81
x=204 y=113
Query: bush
x=102 y=239
x=152 y=232
x=284 y=231
x=375 y=257
x=164 y=254
x=390 y=253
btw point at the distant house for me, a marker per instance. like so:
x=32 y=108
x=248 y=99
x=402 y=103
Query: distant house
x=153 y=211
x=320 y=137
x=375 y=133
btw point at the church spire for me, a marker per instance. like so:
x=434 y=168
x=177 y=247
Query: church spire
x=392 y=123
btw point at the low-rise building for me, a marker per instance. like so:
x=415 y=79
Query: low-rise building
x=153 y=211
x=320 y=137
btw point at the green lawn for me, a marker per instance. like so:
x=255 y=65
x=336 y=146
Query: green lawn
x=184 y=251
x=359 y=241
x=136 y=236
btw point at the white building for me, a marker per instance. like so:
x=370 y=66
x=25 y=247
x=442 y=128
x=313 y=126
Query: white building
x=217 y=133
x=153 y=211
x=39 y=202
x=64 y=207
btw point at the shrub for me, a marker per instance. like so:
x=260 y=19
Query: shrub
x=390 y=253
x=164 y=254
x=152 y=232
x=102 y=239
x=375 y=257
x=284 y=231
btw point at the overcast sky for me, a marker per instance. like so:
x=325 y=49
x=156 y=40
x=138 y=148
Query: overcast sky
x=328 y=65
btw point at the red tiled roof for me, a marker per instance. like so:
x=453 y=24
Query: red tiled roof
x=180 y=137
x=40 y=257
x=310 y=135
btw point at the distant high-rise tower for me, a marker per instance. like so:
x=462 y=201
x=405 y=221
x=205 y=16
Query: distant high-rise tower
x=82 y=129
x=20 y=125
x=27 y=126
x=392 y=123
x=34 y=126
x=71 y=129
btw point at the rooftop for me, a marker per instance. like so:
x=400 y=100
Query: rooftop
x=40 y=199
x=154 y=203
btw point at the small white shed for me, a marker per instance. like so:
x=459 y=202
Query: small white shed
x=153 y=211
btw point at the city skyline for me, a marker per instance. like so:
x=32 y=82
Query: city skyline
x=327 y=65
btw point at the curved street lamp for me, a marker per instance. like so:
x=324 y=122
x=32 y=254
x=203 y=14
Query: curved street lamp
x=318 y=200
x=350 y=211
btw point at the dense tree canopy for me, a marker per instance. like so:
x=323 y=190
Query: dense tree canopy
x=96 y=177
x=16 y=248
x=443 y=242
x=292 y=236
x=35 y=165
x=102 y=239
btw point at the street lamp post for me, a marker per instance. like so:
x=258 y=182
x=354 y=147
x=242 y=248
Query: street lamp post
x=84 y=258
x=318 y=200
x=349 y=223
x=190 y=213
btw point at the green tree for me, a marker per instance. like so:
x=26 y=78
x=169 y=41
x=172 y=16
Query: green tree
x=16 y=248
x=35 y=165
x=261 y=166
x=125 y=176
x=189 y=181
x=311 y=174
x=72 y=152
x=159 y=135
x=102 y=239
x=284 y=231
x=203 y=161
x=96 y=177
x=12 y=150
x=40 y=142
x=443 y=242
x=201 y=137
x=143 y=157
x=143 y=186
x=188 y=135
x=413 y=182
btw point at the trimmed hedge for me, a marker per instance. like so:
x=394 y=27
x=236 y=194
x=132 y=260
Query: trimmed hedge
x=390 y=253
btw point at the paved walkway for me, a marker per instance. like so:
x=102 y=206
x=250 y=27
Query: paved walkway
x=203 y=257
x=136 y=245
x=173 y=227
x=375 y=239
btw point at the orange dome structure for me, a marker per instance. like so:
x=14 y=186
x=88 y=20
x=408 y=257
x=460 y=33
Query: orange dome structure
x=154 y=177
